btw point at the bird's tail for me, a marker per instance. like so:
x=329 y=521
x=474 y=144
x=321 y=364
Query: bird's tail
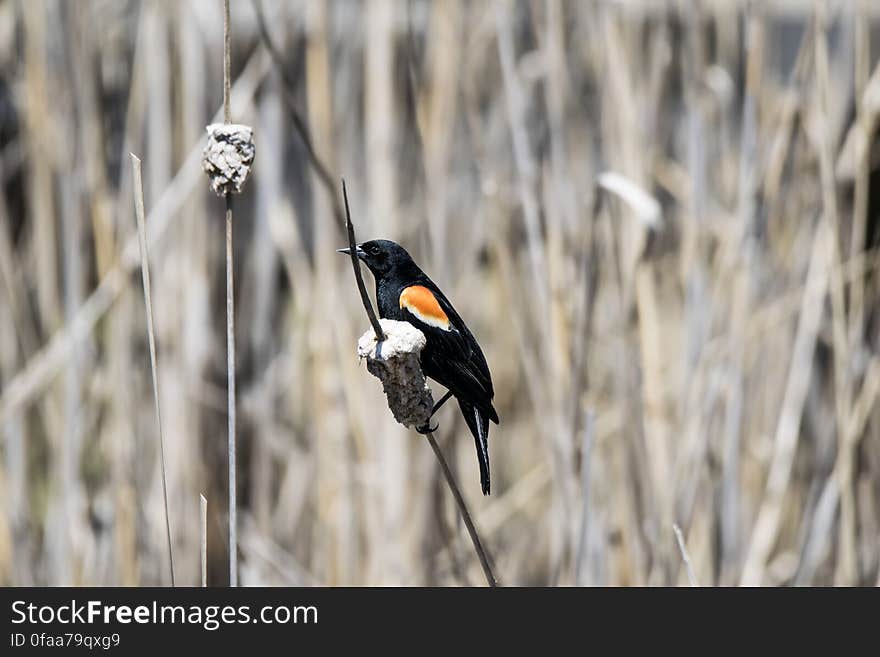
x=478 y=423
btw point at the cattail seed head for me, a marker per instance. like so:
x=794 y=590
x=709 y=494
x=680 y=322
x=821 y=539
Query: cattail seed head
x=228 y=157
x=395 y=362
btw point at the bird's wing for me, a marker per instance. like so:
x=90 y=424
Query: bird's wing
x=454 y=353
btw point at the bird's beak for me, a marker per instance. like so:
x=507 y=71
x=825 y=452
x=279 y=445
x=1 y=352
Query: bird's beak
x=360 y=253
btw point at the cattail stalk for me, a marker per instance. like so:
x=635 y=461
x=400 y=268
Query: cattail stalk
x=230 y=315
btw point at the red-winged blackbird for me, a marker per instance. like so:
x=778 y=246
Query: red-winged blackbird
x=452 y=356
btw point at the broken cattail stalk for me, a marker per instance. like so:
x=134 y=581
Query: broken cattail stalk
x=151 y=336
x=203 y=538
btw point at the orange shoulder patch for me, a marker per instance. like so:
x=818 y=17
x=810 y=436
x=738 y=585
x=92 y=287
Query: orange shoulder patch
x=422 y=303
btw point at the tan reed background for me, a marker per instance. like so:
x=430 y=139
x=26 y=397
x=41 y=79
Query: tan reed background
x=655 y=216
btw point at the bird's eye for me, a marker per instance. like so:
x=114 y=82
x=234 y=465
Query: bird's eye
x=374 y=250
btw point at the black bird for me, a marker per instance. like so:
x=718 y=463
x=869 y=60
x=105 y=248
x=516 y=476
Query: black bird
x=451 y=356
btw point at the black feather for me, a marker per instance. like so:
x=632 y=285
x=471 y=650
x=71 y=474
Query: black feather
x=479 y=426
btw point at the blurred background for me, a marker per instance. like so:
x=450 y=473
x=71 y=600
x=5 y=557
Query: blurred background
x=660 y=219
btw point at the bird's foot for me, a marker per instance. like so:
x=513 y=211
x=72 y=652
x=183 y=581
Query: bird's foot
x=427 y=428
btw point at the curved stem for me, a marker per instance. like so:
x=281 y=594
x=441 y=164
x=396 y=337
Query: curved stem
x=465 y=515
x=289 y=87
x=352 y=252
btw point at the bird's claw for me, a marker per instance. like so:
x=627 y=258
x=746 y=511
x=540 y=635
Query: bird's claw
x=427 y=428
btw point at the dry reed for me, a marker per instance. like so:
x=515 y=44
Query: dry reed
x=728 y=349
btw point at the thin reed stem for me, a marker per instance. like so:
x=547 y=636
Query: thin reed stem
x=289 y=86
x=151 y=336
x=465 y=514
x=227 y=63
x=352 y=252
x=684 y=554
x=230 y=378
x=586 y=454
x=203 y=538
